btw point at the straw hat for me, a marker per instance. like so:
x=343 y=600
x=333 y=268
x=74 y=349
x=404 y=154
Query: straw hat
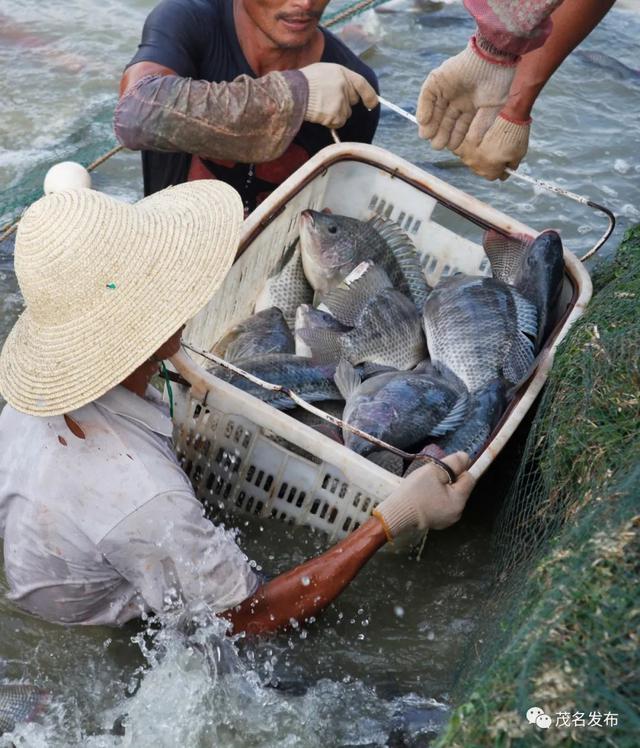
x=106 y=283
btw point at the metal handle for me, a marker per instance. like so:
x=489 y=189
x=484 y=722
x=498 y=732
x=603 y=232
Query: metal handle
x=537 y=182
x=187 y=367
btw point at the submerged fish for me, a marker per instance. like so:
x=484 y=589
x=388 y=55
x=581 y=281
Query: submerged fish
x=20 y=702
x=262 y=333
x=400 y=408
x=386 y=325
x=286 y=290
x=310 y=318
x=333 y=245
x=312 y=381
x=486 y=407
x=533 y=266
x=480 y=329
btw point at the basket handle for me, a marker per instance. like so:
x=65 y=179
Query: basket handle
x=530 y=180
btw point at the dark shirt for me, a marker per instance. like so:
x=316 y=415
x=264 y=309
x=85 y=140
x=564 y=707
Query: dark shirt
x=197 y=39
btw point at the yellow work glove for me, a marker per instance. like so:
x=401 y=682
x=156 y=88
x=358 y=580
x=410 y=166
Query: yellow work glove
x=333 y=90
x=504 y=144
x=426 y=500
x=464 y=94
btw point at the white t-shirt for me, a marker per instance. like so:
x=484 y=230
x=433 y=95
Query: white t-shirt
x=100 y=529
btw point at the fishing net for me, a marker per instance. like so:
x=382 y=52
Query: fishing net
x=562 y=628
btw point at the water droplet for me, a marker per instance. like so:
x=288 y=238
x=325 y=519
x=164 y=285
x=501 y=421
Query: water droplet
x=305 y=581
x=399 y=611
x=360 y=637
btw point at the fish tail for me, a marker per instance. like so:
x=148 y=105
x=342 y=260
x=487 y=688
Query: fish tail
x=505 y=253
x=347 y=378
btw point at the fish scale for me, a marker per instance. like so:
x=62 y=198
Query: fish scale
x=480 y=329
x=287 y=289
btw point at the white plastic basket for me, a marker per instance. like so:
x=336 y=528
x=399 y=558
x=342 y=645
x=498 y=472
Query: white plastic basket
x=246 y=457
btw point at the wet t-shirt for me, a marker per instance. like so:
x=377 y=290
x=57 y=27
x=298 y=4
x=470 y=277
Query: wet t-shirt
x=197 y=39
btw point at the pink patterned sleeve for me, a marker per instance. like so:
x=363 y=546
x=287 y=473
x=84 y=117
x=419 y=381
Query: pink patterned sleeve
x=513 y=26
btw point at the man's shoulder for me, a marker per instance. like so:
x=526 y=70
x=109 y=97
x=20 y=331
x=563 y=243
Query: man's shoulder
x=337 y=51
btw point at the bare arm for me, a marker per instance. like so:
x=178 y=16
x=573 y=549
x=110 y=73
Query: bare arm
x=573 y=21
x=306 y=590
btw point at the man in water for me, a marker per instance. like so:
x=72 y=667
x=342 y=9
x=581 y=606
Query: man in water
x=478 y=104
x=240 y=90
x=100 y=524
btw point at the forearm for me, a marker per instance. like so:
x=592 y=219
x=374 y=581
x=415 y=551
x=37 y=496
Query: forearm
x=306 y=590
x=513 y=27
x=572 y=22
x=248 y=120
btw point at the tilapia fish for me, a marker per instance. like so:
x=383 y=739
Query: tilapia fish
x=333 y=245
x=310 y=318
x=386 y=332
x=480 y=329
x=312 y=381
x=20 y=702
x=400 y=408
x=535 y=267
x=332 y=407
x=286 y=290
x=486 y=406
x=262 y=333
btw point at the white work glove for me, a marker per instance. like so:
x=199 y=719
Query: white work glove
x=333 y=90
x=464 y=94
x=504 y=144
x=426 y=500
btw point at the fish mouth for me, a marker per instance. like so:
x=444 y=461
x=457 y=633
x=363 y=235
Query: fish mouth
x=306 y=217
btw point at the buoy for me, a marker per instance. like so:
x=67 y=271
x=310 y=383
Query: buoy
x=67 y=175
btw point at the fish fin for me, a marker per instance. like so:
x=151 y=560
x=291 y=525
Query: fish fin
x=527 y=314
x=406 y=254
x=347 y=378
x=454 y=418
x=349 y=298
x=370 y=369
x=518 y=364
x=323 y=345
x=505 y=253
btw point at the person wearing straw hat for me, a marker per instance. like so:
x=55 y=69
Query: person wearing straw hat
x=241 y=90
x=100 y=523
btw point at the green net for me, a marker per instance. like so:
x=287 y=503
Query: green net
x=562 y=628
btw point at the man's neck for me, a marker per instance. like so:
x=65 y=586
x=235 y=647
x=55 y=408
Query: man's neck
x=138 y=381
x=263 y=55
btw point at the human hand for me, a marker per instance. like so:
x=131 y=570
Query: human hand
x=504 y=145
x=333 y=90
x=425 y=499
x=464 y=94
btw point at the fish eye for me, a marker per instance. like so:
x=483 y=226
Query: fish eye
x=333 y=229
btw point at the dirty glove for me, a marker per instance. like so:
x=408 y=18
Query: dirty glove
x=333 y=90
x=504 y=144
x=465 y=94
x=426 y=500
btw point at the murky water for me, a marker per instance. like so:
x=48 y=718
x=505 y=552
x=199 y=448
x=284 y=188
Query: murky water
x=379 y=666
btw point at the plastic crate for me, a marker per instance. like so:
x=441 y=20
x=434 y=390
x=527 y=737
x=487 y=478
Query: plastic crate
x=244 y=456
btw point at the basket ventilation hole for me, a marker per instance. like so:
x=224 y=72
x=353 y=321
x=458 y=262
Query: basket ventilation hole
x=315 y=506
x=259 y=478
x=416 y=227
x=346 y=524
x=301 y=497
x=283 y=490
x=332 y=516
x=292 y=495
x=365 y=504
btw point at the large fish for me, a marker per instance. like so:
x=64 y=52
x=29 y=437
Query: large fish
x=262 y=333
x=310 y=318
x=480 y=329
x=387 y=330
x=287 y=289
x=20 y=702
x=486 y=406
x=533 y=266
x=332 y=407
x=400 y=408
x=312 y=381
x=333 y=245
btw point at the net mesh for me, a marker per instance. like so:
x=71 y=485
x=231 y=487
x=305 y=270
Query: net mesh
x=562 y=627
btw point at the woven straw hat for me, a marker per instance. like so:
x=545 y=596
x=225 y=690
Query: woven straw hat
x=106 y=283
